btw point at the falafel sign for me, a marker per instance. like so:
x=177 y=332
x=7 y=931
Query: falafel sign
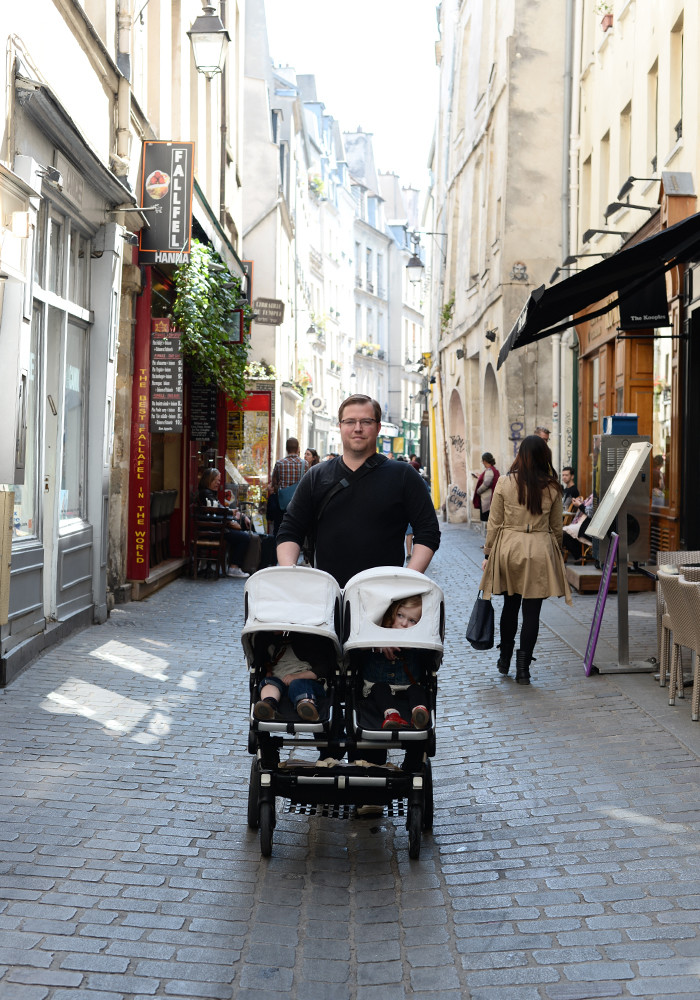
x=167 y=178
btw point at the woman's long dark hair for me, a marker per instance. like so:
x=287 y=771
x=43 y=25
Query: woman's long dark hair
x=533 y=472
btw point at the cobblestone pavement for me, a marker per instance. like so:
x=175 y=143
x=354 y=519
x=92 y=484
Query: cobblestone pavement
x=564 y=863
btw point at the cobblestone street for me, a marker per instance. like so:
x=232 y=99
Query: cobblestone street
x=564 y=862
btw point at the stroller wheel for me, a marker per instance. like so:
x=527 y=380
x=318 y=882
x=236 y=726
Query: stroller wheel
x=414 y=823
x=267 y=822
x=254 y=796
x=428 y=796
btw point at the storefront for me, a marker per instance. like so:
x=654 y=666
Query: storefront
x=642 y=360
x=61 y=329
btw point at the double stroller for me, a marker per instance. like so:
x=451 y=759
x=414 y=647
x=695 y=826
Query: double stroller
x=338 y=762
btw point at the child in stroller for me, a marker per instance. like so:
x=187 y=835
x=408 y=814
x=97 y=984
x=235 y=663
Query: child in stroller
x=287 y=660
x=391 y=668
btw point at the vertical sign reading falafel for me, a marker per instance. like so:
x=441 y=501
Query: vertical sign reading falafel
x=166 y=194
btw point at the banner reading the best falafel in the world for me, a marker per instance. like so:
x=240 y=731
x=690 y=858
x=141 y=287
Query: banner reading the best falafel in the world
x=166 y=194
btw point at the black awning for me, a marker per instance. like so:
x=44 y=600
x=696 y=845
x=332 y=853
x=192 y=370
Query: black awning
x=549 y=310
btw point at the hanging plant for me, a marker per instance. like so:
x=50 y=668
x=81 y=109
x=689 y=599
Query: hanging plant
x=206 y=301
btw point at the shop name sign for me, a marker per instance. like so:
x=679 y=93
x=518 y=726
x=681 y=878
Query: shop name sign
x=167 y=180
x=269 y=312
x=645 y=307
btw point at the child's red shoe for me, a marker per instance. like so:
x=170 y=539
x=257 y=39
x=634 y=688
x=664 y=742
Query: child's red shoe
x=394 y=721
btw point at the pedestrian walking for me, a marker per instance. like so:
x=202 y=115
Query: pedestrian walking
x=485 y=485
x=357 y=506
x=283 y=482
x=523 y=551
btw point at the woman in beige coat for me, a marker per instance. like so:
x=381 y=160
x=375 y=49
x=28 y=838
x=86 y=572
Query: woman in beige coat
x=523 y=550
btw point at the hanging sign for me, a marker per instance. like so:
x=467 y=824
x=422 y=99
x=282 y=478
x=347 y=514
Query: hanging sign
x=269 y=312
x=166 y=379
x=167 y=177
x=645 y=307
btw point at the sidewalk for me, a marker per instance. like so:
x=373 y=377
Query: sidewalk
x=563 y=864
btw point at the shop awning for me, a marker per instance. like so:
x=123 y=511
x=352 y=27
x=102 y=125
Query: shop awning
x=549 y=310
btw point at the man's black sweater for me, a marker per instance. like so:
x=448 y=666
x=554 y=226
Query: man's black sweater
x=364 y=524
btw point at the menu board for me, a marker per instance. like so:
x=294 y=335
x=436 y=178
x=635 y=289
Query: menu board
x=166 y=379
x=203 y=412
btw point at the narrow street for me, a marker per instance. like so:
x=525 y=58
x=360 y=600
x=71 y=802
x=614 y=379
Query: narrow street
x=564 y=862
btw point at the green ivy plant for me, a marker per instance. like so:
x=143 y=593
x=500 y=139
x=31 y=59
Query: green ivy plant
x=446 y=315
x=206 y=300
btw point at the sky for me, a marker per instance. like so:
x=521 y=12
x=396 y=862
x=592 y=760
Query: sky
x=367 y=57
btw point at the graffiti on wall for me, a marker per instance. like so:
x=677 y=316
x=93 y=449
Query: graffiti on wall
x=458 y=443
x=516 y=435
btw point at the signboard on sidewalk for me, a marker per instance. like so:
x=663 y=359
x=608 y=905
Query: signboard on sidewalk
x=167 y=178
x=269 y=312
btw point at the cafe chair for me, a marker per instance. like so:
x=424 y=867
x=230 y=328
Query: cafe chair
x=690 y=573
x=676 y=558
x=691 y=592
x=678 y=630
x=208 y=541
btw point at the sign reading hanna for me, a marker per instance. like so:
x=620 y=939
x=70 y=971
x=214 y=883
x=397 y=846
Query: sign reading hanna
x=166 y=191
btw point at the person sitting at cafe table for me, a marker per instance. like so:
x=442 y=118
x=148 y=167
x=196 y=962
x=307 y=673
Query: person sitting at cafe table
x=239 y=538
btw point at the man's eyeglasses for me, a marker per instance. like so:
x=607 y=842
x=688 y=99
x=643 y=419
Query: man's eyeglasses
x=364 y=422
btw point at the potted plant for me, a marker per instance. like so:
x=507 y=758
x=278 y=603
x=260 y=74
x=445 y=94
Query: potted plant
x=605 y=9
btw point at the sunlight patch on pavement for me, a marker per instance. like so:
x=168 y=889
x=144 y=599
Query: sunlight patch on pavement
x=630 y=816
x=130 y=658
x=113 y=711
x=189 y=680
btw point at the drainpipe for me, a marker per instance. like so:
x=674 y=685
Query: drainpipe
x=224 y=130
x=558 y=369
x=124 y=21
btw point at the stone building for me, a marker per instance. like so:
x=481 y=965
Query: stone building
x=495 y=210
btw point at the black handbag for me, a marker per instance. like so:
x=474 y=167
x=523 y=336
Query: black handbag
x=480 y=627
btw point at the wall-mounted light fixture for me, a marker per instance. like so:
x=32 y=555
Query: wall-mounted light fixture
x=615 y=205
x=209 y=40
x=630 y=182
x=604 y=232
x=460 y=353
x=52 y=175
x=491 y=334
x=573 y=257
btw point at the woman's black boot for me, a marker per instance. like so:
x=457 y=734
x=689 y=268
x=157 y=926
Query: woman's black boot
x=504 y=659
x=522 y=666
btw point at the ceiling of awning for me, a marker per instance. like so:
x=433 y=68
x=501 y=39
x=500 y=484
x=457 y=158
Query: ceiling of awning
x=550 y=310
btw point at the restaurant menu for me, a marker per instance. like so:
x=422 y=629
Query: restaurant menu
x=203 y=411
x=166 y=381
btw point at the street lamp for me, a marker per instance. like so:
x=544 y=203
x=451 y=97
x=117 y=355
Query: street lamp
x=209 y=40
x=415 y=266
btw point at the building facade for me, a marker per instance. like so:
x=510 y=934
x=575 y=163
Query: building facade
x=494 y=209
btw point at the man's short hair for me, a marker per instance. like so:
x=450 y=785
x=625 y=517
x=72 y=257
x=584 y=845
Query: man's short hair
x=542 y=430
x=358 y=399
x=569 y=468
x=292 y=446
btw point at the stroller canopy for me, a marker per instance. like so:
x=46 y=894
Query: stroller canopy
x=291 y=599
x=368 y=595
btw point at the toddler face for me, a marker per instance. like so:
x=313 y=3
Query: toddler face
x=407 y=617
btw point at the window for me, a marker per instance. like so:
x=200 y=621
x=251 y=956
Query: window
x=661 y=423
x=55 y=276
x=676 y=82
x=586 y=219
x=604 y=175
x=25 y=520
x=625 y=170
x=72 y=503
x=653 y=117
